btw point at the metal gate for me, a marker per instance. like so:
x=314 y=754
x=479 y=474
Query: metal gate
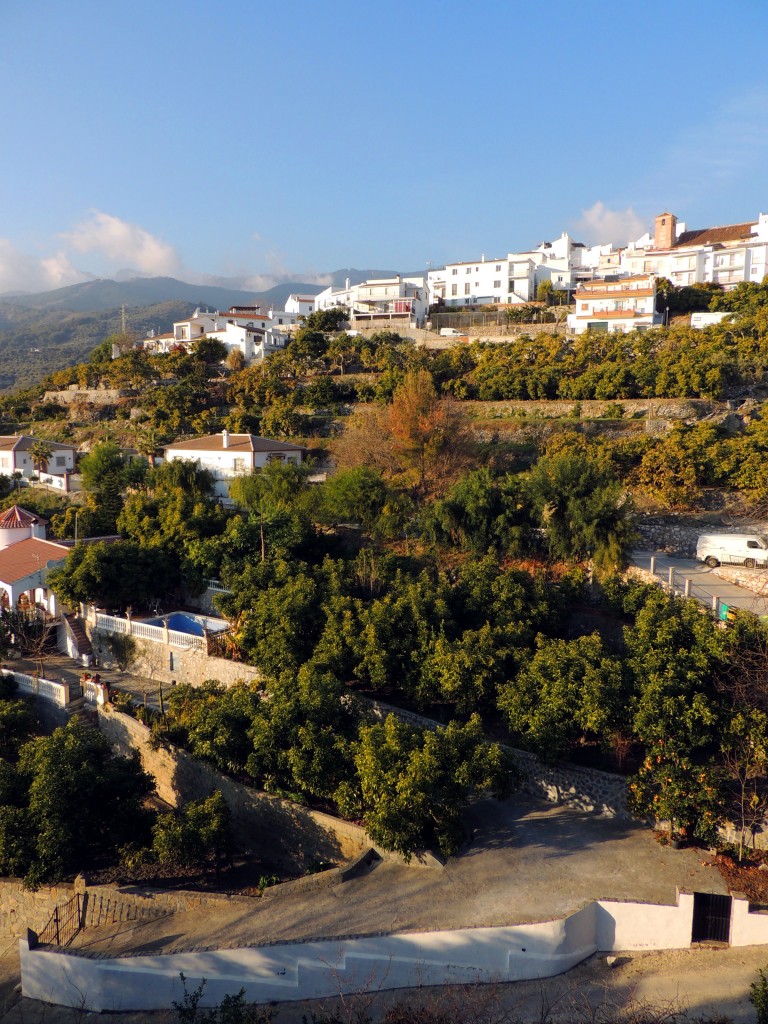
x=711 y=917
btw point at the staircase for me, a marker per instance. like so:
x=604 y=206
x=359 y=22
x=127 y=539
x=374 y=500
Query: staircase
x=77 y=630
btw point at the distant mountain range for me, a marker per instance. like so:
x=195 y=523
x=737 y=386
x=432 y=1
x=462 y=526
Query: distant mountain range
x=104 y=294
x=46 y=331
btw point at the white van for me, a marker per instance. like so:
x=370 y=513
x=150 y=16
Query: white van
x=749 y=549
x=449 y=332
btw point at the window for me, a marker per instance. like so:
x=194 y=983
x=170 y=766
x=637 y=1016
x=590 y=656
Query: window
x=454 y=289
x=498 y=267
x=454 y=271
x=497 y=284
x=466 y=288
x=60 y=460
x=238 y=465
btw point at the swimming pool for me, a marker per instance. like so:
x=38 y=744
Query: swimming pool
x=186 y=622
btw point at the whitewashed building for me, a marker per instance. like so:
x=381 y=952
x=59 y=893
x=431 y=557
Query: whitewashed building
x=244 y=328
x=16 y=456
x=514 y=278
x=227 y=455
x=401 y=299
x=25 y=560
x=300 y=305
x=628 y=304
x=725 y=255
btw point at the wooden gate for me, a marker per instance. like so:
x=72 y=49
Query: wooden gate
x=711 y=917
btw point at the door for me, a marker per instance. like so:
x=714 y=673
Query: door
x=711 y=917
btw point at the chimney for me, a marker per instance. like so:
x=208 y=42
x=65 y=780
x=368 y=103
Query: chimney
x=225 y=439
x=665 y=232
x=346 y=284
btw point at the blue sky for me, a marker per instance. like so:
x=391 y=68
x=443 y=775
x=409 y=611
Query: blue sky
x=263 y=141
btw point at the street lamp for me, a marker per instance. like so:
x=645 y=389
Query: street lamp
x=77 y=513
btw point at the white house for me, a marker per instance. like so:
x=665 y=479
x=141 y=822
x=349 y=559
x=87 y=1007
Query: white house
x=16 y=456
x=515 y=277
x=228 y=456
x=25 y=559
x=244 y=328
x=627 y=304
x=300 y=305
x=401 y=299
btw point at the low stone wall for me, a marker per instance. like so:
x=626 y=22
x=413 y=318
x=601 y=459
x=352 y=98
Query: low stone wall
x=91 y=396
x=284 y=833
x=585 y=789
x=166 y=663
x=21 y=908
x=677 y=535
x=678 y=409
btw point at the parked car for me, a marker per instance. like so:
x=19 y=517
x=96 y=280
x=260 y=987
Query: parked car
x=450 y=332
x=749 y=549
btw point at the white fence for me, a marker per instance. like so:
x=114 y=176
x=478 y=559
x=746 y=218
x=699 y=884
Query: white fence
x=58 y=483
x=145 y=631
x=217 y=587
x=93 y=692
x=57 y=693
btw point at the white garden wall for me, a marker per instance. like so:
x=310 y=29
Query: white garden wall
x=310 y=970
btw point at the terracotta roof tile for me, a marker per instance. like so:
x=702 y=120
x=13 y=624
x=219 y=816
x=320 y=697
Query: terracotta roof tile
x=711 y=236
x=237 y=443
x=28 y=556
x=16 y=518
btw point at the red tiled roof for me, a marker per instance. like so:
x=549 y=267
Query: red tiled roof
x=27 y=557
x=23 y=442
x=237 y=443
x=711 y=236
x=16 y=518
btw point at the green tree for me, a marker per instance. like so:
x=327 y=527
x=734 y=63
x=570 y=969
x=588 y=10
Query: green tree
x=81 y=802
x=585 y=512
x=198 y=834
x=41 y=452
x=115 y=575
x=414 y=785
x=354 y=496
x=569 y=690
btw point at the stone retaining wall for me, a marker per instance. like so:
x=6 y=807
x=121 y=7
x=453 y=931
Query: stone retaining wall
x=166 y=663
x=678 y=535
x=284 y=833
x=585 y=789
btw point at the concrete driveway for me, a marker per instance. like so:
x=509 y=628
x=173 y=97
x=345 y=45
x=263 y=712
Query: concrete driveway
x=705 y=585
x=527 y=861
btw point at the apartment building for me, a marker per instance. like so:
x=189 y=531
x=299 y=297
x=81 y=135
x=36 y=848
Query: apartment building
x=397 y=298
x=626 y=304
x=724 y=255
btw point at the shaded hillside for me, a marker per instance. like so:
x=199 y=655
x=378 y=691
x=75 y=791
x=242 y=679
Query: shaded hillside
x=104 y=295
x=34 y=343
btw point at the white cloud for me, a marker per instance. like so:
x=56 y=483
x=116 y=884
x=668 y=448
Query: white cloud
x=601 y=224
x=123 y=244
x=22 y=272
x=263 y=282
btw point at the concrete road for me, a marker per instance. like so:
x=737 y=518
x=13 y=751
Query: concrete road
x=705 y=585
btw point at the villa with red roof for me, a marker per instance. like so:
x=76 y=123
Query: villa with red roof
x=25 y=559
x=16 y=456
x=228 y=456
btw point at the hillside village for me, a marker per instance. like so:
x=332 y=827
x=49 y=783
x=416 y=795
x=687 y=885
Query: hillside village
x=313 y=599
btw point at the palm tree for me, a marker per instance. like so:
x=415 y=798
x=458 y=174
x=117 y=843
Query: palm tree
x=41 y=451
